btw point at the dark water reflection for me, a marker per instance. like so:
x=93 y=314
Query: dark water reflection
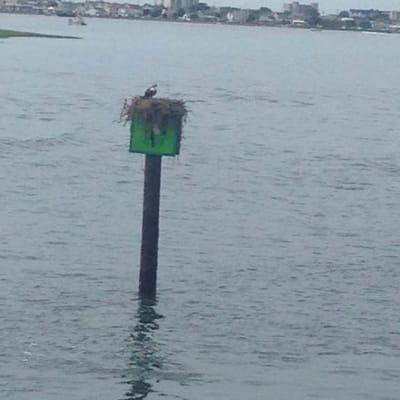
x=145 y=360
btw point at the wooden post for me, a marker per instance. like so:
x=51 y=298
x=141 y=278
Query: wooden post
x=150 y=223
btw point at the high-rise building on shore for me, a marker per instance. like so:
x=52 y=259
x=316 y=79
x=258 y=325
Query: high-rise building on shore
x=177 y=4
x=296 y=8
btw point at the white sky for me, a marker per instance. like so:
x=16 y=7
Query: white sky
x=325 y=5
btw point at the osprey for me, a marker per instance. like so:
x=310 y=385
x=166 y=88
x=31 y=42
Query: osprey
x=150 y=92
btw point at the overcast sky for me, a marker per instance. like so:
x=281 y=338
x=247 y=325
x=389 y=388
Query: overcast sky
x=325 y=5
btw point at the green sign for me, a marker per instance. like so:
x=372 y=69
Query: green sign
x=154 y=140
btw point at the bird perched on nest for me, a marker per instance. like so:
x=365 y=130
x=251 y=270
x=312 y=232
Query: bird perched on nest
x=150 y=92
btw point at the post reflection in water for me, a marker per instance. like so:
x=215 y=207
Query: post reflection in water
x=145 y=361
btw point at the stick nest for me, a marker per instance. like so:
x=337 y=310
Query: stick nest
x=153 y=112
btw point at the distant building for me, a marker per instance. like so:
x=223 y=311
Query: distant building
x=135 y=11
x=364 y=13
x=295 y=8
x=163 y=3
x=395 y=16
x=66 y=9
x=186 y=4
x=205 y=17
x=238 y=16
x=299 y=22
x=177 y=4
x=91 y=12
x=381 y=25
x=266 y=16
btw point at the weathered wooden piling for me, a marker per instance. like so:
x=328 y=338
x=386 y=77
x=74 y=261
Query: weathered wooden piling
x=156 y=130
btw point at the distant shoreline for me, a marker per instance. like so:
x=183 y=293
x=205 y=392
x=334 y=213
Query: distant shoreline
x=253 y=25
x=11 y=33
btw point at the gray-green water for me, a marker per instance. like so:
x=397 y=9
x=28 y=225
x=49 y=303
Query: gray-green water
x=279 y=249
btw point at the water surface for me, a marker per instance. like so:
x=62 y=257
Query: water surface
x=279 y=247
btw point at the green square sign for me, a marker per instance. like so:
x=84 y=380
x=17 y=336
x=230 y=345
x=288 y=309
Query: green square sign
x=152 y=140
